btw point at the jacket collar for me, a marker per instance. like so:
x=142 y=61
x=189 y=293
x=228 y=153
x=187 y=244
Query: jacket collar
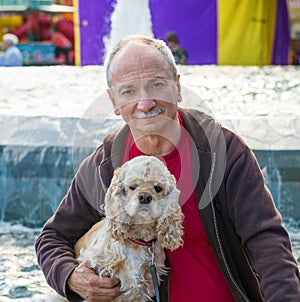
x=113 y=150
x=207 y=139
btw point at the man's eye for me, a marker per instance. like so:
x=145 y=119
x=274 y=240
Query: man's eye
x=133 y=187
x=127 y=92
x=158 y=189
x=157 y=85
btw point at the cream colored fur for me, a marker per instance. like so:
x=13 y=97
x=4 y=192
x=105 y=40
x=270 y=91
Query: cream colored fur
x=128 y=215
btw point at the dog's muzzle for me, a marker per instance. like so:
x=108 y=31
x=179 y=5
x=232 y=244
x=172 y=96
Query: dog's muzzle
x=144 y=198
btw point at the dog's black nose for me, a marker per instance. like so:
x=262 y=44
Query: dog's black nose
x=145 y=198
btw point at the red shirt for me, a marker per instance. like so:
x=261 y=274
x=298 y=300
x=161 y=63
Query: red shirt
x=194 y=272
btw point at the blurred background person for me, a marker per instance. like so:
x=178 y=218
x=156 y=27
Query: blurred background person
x=295 y=43
x=180 y=54
x=11 y=55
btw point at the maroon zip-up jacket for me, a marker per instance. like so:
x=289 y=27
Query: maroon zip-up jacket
x=242 y=224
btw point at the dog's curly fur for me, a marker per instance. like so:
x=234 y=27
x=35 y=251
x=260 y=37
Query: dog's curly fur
x=141 y=203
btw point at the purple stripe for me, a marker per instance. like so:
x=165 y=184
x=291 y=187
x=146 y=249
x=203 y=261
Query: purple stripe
x=282 y=37
x=97 y=15
x=194 y=21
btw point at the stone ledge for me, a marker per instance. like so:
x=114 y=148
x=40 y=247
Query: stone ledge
x=40 y=155
x=260 y=133
x=32 y=185
x=265 y=133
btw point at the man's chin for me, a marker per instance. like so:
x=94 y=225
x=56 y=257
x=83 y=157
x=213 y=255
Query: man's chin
x=147 y=125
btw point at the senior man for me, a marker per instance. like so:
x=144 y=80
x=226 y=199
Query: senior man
x=12 y=55
x=235 y=247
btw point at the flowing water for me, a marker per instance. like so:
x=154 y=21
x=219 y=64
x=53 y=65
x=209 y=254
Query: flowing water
x=20 y=276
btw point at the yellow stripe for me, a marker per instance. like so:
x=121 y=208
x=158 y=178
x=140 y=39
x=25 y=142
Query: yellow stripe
x=77 y=33
x=246 y=31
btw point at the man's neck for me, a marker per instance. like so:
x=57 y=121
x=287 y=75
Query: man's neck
x=158 y=144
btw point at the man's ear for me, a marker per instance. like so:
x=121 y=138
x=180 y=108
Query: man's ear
x=113 y=101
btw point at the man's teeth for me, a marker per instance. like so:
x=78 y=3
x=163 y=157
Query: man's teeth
x=152 y=113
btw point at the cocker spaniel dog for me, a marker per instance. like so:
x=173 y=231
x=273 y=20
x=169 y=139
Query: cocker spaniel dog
x=143 y=217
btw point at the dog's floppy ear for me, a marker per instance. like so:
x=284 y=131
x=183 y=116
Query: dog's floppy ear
x=169 y=227
x=114 y=206
x=114 y=190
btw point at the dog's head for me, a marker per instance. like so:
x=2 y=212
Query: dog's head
x=143 y=195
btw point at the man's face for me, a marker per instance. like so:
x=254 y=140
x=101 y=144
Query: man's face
x=143 y=89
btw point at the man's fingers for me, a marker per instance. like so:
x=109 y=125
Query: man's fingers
x=85 y=282
x=106 y=282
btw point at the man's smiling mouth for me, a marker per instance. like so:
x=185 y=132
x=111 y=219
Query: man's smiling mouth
x=145 y=115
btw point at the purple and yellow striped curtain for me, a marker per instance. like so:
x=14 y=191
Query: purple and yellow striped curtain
x=246 y=32
x=223 y=32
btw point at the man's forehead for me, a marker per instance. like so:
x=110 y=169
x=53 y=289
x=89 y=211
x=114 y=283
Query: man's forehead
x=138 y=61
x=137 y=48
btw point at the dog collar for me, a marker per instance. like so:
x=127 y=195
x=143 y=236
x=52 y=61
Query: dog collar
x=142 y=242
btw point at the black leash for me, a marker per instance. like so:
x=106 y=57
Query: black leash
x=152 y=266
x=154 y=274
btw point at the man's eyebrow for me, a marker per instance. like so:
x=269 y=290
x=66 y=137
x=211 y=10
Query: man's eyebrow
x=130 y=85
x=157 y=79
x=124 y=86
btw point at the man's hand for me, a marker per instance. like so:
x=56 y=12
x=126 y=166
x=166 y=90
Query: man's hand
x=86 y=283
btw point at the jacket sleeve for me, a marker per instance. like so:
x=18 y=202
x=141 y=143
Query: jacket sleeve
x=259 y=225
x=75 y=215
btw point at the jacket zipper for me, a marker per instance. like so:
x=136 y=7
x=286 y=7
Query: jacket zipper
x=217 y=231
x=103 y=187
x=215 y=225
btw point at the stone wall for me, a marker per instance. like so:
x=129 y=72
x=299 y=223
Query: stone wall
x=37 y=164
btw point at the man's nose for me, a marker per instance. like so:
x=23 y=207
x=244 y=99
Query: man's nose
x=146 y=104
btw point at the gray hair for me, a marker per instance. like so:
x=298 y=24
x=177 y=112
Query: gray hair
x=160 y=45
x=10 y=38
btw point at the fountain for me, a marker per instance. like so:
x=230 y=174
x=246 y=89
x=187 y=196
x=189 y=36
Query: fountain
x=139 y=15
x=52 y=117
x=41 y=149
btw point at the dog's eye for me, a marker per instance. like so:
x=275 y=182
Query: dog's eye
x=133 y=187
x=158 y=189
